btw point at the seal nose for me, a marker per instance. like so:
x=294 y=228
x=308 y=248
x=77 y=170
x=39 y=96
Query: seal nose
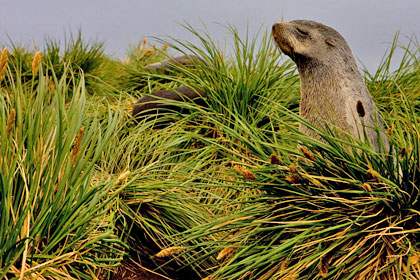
x=277 y=26
x=273 y=29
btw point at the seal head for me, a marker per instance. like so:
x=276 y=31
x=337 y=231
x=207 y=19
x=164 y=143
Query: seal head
x=332 y=88
x=309 y=42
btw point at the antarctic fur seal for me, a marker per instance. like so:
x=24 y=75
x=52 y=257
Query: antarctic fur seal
x=171 y=63
x=332 y=88
x=152 y=104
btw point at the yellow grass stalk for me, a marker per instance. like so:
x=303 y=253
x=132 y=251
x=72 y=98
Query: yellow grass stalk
x=25 y=234
x=76 y=148
x=373 y=174
x=170 y=252
x=10 y=122
x=292 y=276
x=3 y=64
x=209 y=278
x=123 y=176
x=285 y=264
x=367 y=187
x=227 y=252
x=36 y=62
x=270 y=273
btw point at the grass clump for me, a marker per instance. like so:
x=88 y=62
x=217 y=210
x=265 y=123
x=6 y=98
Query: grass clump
x=335 y=210
x=231 y=190
x=55 y=219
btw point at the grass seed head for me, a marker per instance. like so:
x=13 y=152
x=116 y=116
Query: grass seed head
x=227 y=252
x=76 y=148
x=10 y=122
x=414 y=259
x=3 y=63
x=148 y=52
x=170 y=252
x=248 y=174
x=123 y=176
x=324 y=265
x=164 y=47
x=285 y=264
x=36 y=62
x=307 y=153
x=292 y=179
x=360 y=108
x=3 y=57
x=293 y=169
x=372 y=174
x=274 y=159
x=367 y=187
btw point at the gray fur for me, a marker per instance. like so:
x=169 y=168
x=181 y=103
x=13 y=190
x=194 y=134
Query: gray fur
x=331 y=83
x=170 y=63
x=152 y=104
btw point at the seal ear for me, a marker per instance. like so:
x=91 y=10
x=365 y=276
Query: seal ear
x=330 y=42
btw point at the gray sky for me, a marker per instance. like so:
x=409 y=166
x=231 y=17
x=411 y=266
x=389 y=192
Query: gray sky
x=368 y=25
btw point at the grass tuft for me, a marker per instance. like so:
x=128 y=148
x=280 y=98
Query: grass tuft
x=230 y=190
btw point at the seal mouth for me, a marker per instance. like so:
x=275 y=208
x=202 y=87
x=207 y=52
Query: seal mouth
x=279 y=32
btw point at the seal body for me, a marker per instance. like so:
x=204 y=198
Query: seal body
x=152 y=104
x=171 y=63
x=332 y=89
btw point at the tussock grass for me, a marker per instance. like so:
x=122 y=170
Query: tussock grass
x=55 y=221
x=231 y=190
x=334 y=210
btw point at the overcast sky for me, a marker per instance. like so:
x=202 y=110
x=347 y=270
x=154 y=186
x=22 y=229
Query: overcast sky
x=368 y=25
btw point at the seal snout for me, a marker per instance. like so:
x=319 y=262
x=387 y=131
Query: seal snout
x=282 y=37
x=277 y=27
x=274 y=28
x=277 y=30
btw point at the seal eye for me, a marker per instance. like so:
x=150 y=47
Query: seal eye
x=302 y=32
x=329 y=43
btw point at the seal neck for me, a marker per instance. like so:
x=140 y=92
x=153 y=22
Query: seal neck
x=316 y=74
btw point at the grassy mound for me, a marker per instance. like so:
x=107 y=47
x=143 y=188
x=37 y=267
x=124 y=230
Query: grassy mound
x=231 y=190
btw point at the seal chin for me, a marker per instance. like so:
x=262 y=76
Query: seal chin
x=279 y=31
